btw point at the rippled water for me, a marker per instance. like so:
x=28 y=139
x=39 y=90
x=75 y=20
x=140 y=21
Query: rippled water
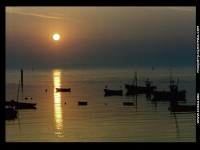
x=104 y=119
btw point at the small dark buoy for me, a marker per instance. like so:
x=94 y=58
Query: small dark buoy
x=46 y=90
x=26 y=98
x=31 y=97
x=65 y=102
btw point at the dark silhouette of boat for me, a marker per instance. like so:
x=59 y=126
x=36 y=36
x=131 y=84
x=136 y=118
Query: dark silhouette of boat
x=128 y=103
x=135 y=89
x=11 y=113
x=20 y=105
x=172 y=94
x=63 y=89
x=82 y=103
x=109 y=92
x=183 y=108
x=175 y=107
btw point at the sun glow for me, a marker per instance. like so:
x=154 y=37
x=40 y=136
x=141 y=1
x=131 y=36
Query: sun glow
x=56 y=37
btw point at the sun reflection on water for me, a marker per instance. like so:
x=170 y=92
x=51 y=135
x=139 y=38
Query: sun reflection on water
x=58 y=118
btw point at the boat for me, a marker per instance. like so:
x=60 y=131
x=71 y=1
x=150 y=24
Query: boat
x=172 y=94
x=175 y=107
x=82 y=103
x=128 y=103
x=20 y=105
x=135 y=89
x=167 y=95
x=183 y=108
x=63 y=89
x=11 y=113
x=109 y=92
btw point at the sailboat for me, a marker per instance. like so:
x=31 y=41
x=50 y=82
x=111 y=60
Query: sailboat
x=20 y=105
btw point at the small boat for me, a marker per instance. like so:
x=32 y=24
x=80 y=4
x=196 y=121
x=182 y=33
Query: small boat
x=135 y=89
x=20 y=105
x=11 y=113
x=128 y=103
x=63 y=89
x=82 y=103
x=175 y=107
x=183 y=108
x=113 y=92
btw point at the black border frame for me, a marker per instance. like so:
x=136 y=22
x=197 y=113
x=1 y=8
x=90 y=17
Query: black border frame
x=5 y=3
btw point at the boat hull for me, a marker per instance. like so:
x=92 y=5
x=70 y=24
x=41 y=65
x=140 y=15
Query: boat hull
x=132 y=89
x=128 y=103
x=63 y=89
x=183 y=108
x=165 y=95
x=113 y=92
x=20 y=105
x=82 y=103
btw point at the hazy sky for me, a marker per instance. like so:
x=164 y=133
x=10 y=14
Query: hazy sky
x=148 y=36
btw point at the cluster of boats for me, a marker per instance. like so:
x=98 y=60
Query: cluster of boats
x=173 y=95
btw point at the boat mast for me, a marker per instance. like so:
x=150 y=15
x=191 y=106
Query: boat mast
x=170 y=78
x=177 y=83
x=18 y=91
x=136 y=78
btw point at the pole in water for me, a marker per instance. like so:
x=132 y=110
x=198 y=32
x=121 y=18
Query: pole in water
x=22 y=79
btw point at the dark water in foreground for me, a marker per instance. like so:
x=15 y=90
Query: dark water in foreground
x=104 y=119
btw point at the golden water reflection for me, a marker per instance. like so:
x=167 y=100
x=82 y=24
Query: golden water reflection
x=58 y=118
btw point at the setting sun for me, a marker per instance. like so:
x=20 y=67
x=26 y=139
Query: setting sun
x=56 y=37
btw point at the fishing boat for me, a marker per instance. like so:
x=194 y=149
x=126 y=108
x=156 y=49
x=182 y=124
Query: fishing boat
x=109 y=92
x=172 y=94
x=20 y=105
x=135 y=89
x=63 y=89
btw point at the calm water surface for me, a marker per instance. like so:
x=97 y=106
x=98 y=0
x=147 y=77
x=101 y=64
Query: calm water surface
x=104 y=119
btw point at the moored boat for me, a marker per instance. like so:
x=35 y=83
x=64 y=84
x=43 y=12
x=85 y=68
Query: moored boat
x=168 y=95
x=109 y=92
x=183 y=108
x=135 y=89
x=20 y=105
x=175 y=107
x=63 y=89
x=82 y=103
x=128 y=103
x=172 y=94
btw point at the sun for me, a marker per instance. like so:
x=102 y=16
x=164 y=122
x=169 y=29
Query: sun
x=56 y=37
